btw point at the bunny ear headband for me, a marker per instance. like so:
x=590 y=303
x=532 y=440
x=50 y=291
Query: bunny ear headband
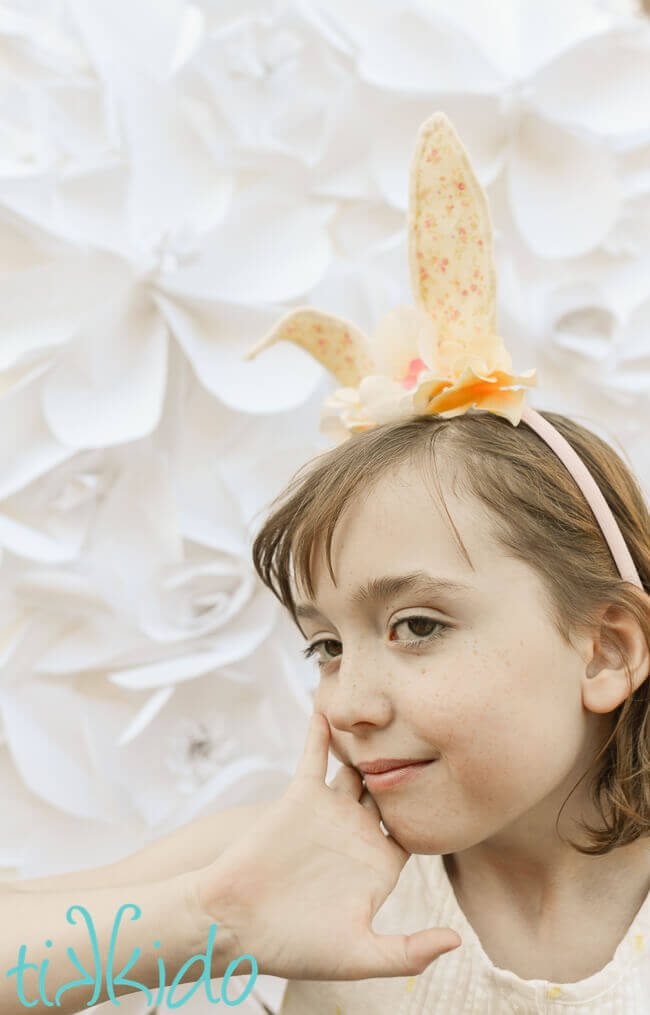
x=443 y=355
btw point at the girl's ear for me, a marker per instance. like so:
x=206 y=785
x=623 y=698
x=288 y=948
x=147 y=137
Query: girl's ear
x=619 y=638
x=335 y=342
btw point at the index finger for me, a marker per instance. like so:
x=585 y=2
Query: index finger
x=313 y=762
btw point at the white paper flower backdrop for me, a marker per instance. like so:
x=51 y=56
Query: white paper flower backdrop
x=172 y=178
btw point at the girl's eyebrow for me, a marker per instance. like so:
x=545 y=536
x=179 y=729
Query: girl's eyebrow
x=383 y=588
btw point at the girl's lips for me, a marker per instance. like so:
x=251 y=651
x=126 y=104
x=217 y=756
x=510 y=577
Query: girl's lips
x=384 y=780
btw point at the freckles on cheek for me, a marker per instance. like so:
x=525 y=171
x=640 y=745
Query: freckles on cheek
x=496 y=769
x=482 y=743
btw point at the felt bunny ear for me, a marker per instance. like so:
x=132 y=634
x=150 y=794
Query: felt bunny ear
x=450 y=238
x=336 y=343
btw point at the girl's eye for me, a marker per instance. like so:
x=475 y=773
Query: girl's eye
x=416 y=622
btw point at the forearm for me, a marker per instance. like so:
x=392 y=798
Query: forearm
x=187 y=848
x=169 y=930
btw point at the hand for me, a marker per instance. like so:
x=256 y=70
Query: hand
x=300 y=889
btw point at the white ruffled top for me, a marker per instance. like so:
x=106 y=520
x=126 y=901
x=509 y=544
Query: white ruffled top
x=465 y=981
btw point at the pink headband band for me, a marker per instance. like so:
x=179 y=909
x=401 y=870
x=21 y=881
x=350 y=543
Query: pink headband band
x=591 y=491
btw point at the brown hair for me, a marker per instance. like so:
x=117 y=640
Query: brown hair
x=539 y=515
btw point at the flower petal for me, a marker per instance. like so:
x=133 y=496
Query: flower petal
x=110 y=386
x=563 y=190
x=71 y=291
x=383 y=399
x=573 y=90
x=471 y=388
x=28 y=448
x=427 y=390
x=269 y=247
x=477 y=363
x=42 y=723
x=401 y=336
x=504 y=403
x=415 y=50
x=216 y=338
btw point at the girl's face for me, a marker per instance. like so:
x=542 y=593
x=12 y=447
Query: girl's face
x=489 y=687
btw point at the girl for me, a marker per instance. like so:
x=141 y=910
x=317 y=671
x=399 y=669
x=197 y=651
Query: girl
x=480 y=629
x=493 y=631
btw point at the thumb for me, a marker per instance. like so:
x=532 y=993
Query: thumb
x=406 y=954
x=313 y=762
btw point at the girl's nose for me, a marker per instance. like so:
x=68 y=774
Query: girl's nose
x=354 y=698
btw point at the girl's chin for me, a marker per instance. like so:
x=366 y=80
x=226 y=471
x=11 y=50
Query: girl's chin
x=412 y=841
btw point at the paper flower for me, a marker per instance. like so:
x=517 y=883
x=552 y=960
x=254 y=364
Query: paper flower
x=535 y=103
x=172 y=175
x=114 y=754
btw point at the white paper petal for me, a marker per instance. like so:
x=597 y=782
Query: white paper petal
x=200 y=744
x=135 y=535
x=556 y=28
x=277 y=446
x=634 y=166
x=90 y=207
x=197 y=599
x=269 y=247
x=47 y=840
x=238 y=639
x=629 y=234
x=23 y=245
x=626 y=283
x=573 y=90
x=48 y=519
x=42 y=723
x=580 y=321
x=198 y=430
x=71 y=291
x=409 y=51
x=635 y=341
x=110 y=386
x=155 y=37
x=93 y=644
x=215 y=340
x=518 y=36
x=14 y=628
x=175 y=182
x=29 y=542
x=563 y=191
x=141 y=720
x=27 y=447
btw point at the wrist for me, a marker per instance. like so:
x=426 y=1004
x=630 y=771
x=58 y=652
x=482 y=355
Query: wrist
x=211 y=919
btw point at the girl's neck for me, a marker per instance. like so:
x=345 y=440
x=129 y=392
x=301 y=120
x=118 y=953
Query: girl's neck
x=538 y=940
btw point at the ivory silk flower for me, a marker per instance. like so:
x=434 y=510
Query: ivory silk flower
x=421 y=374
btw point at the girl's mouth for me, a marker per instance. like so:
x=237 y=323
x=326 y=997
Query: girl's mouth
x=385 y=780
